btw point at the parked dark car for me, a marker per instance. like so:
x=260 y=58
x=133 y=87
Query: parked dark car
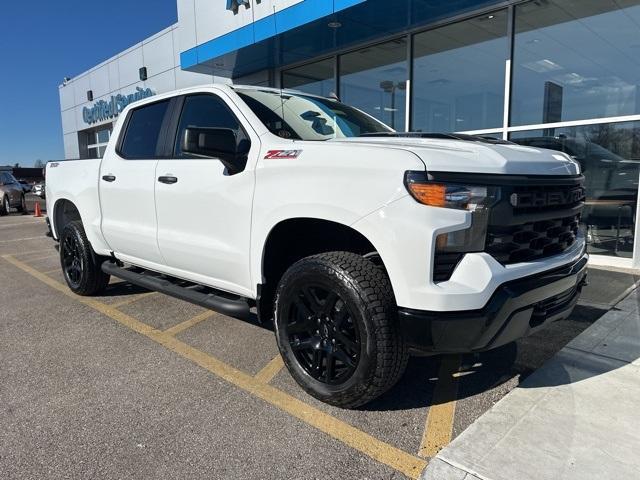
x=26 y=186
x=11 y=194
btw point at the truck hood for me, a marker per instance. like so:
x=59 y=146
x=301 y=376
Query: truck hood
x=445 y=155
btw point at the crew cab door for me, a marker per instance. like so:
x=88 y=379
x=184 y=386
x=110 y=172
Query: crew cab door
x=204 y=211
x=127 y=183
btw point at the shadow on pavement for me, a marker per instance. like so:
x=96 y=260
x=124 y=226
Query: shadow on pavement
x=484 y=371
x=514 y=362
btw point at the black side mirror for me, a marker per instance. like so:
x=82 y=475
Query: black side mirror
x=220 y=143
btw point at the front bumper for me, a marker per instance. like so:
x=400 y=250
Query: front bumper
x=516 y=309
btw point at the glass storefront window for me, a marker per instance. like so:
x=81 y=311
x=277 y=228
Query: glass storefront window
x=374 y=79
x=575 y=60
x=610 y=158
x=315 y=78
x=92 y=143
x=102 y=136
x=458 y=75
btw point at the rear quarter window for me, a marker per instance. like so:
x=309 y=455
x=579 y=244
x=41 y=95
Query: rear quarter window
x=142 y=132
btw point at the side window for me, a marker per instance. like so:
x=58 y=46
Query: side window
x=205 y=111
x=143 y=131
x=3 y=178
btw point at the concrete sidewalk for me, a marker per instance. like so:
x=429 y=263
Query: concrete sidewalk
x=577 y=417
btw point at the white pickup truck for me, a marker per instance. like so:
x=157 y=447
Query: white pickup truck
x=361 y=244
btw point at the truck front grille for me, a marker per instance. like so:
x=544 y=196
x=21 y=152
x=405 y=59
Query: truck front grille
x=532 y=240
x=535 y=220
x=533 y=217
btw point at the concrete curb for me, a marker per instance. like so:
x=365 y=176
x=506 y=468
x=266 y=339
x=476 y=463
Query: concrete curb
x=573 y=418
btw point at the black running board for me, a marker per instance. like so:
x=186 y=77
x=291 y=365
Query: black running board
x=235 y=307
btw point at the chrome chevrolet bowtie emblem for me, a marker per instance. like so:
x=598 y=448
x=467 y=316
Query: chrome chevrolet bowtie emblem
x=233 y=5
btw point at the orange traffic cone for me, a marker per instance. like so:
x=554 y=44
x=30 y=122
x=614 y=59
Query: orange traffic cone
x=37 y=212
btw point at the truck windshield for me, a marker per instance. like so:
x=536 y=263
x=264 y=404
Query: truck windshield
x=298 y=116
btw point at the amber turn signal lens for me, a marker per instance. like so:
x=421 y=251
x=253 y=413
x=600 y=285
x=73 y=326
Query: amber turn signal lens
x=429 y=193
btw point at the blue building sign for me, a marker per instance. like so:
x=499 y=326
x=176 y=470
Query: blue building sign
x=105 y=110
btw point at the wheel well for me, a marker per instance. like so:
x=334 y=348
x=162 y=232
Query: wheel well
x=64 y=213
x=294 y=239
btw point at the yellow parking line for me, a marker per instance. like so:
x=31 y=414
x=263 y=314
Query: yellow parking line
x=52 y=271
x=181 y=327
x=439 y=425
x=21 y=254
x=270 y=370
x=52 y=254
x=133 y=298
x=9 y=225
x=22 y=239
x=403 y=462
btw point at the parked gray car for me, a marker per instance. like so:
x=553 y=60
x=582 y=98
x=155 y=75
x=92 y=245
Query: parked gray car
x=11 y=194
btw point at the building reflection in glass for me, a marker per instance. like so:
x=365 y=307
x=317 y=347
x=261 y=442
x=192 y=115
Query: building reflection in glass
x=609 y=155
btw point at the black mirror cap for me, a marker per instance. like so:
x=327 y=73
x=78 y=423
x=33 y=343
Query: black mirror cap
x=221 y=143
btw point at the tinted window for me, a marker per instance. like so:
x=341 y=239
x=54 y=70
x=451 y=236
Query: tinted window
x=205 y=111
x=7 y=178
x=143 y=131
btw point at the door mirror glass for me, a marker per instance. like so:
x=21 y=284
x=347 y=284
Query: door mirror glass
x=220 y=143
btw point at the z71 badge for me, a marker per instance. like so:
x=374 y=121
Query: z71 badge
x=282 y=154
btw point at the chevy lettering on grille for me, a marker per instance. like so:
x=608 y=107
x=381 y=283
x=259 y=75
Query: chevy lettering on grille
x=548 y=199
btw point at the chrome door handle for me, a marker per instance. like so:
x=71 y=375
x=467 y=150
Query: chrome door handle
x=168 y=179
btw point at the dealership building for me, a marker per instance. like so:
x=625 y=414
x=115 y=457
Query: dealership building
x=560 y=74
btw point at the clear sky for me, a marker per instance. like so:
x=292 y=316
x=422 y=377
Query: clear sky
x=41 y=42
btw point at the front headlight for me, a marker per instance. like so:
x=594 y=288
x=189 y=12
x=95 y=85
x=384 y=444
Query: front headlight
x=476 y=199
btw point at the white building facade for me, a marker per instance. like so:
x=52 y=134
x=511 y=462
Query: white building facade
x=559 y=74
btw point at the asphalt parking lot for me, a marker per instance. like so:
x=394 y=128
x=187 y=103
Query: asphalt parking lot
x=134 y=384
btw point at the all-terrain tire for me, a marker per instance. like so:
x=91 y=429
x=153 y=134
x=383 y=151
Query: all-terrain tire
x=366 y=299
x=80 y=265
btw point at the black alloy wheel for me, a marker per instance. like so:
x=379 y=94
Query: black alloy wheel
x=337 y=330
x=81 y=267
x=322 y=334
x=72 y=261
